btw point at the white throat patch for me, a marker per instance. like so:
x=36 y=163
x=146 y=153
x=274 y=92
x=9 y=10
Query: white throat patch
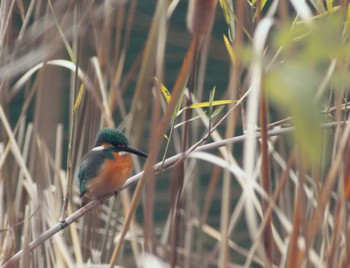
x=122 y=153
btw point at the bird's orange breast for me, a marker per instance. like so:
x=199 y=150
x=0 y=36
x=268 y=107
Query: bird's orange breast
x=112 y=176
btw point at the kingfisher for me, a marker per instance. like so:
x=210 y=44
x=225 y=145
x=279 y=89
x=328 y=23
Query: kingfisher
x=107 y=166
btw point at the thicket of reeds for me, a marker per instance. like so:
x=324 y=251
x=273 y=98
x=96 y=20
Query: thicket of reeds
x=241 y=105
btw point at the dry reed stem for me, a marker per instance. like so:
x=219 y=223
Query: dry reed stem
x=200 y=16
x=157 y=136
x=326 y=232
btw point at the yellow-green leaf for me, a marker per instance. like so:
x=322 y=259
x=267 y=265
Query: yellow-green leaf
x=217 y=111
x=205 y=105
x=230 y=50
x=79 y=97
x=262 y=5
x=227 y=13
x=330 y=6
x=190 y=120
x=164 y=90
x=211 y=99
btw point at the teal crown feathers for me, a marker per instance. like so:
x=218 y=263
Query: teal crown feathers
x=112 y=136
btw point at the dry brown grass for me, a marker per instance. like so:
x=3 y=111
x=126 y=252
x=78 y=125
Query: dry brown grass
x=275 y=196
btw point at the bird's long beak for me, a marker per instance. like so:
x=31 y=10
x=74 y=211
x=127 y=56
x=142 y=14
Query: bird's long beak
x=133 y=150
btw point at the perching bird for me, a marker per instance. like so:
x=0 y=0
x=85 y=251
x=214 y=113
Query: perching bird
x=107 y=166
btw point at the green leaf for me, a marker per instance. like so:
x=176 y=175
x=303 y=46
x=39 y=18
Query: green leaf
x=177 y=111
x=262 y=5
x=227 y=11
x=211 y=99
x=291 y=89
x=217 y=111
x=204 y=105
x=164 y=90
x=79 y=97
x=314 y=44
x=230 y=51
x=190 y=120
x=329 y=6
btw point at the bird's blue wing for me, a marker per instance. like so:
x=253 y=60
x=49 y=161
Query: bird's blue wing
x=90 y=166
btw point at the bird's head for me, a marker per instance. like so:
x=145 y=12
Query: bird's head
x=117 y=139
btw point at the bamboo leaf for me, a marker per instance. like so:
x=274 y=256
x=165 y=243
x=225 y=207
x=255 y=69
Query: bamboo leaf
x=177 y=111
x=204 y=105
x=187 y=121
x=226 y=9
x=230 y=50
x=79 y=97
x=211 y=99
x=329 y=6
x=164 y=90
x=217 y=111
x=262 y=5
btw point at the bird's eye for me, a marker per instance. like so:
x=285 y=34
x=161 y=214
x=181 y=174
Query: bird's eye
x=122 y=146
